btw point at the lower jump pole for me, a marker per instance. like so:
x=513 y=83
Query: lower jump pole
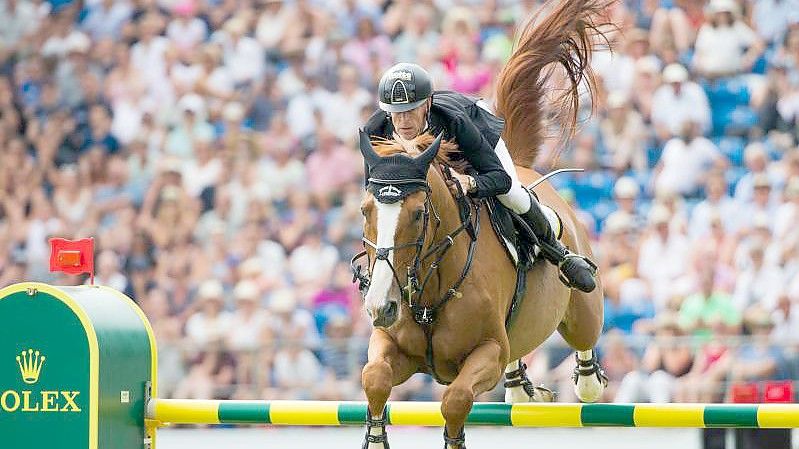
x=331 y=413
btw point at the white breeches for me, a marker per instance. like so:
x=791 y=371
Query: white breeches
x=517 y=199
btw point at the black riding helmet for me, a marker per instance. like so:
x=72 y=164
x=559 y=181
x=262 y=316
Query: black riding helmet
x=403 y=87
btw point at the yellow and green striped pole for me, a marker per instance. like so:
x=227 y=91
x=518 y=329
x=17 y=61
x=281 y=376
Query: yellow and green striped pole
x=329 y=413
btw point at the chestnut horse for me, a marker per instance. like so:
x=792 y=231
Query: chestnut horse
x=442 y=287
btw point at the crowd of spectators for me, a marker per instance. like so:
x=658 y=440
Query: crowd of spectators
x=209 y=147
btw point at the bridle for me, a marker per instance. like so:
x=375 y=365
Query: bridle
x=413 y=290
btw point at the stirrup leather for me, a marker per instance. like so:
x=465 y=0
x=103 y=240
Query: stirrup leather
x=376 y=422
x=586 y=368
x=458 y=441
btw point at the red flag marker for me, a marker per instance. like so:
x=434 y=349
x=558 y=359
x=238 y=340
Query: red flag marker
x=72 y=256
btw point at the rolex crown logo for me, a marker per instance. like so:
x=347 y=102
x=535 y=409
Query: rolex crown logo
x=30 y=365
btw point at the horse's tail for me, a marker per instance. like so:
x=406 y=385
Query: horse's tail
x=567 y=37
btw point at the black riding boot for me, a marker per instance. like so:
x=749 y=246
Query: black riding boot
x=576 y=271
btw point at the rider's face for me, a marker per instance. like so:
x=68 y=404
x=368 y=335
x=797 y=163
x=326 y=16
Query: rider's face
x=409 y=124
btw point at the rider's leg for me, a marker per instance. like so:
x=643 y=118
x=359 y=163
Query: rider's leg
x=577 y=270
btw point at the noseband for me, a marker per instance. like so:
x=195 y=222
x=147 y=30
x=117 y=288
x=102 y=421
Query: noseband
x=413 y=290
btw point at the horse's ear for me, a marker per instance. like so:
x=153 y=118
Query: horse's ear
x=369 y=154
x=429 y=154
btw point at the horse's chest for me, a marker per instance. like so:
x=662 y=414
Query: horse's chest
x=448 y=345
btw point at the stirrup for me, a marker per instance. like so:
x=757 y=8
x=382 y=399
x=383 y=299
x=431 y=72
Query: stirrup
x=570 y=255
x=375 y=422
x=523 y=381
x=458 y=441
x=586 y=368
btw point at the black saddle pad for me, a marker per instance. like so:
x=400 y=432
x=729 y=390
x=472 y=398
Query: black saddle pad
x=507 y=227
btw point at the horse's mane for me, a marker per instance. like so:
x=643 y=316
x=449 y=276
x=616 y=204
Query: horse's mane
x=448 y=154
x=562 y=43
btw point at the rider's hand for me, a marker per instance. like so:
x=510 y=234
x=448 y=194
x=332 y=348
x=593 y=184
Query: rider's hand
x=463 y=180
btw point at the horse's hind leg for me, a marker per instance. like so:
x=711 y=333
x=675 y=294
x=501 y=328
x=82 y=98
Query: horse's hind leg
x=387 y=367
x=581 y=328
x=479 y=373
x=518 y=387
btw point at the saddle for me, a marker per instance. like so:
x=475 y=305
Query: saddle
x=520 y=244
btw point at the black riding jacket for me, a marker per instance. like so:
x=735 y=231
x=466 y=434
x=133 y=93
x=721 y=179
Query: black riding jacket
x=475 y=130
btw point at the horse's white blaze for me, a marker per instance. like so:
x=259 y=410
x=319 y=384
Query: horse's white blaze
x=382 y=276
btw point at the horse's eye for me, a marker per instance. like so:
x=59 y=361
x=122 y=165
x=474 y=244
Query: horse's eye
x=417 y=215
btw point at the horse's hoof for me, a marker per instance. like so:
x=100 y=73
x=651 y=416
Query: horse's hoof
x=529 y=393
x=589 y=379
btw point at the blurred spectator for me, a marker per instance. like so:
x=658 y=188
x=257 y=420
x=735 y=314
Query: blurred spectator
x=248 y=320
x=686 y=159
x=756 y=161
x=760 y=283
x=108 y=272
x=625 y=193
x=700 y=311
x=725 y=45
x=711 y=364
x=290 y=321
x=772 y=17
x=662 y=255
x=297 y=370
x=624 y=134
x=678 y=101
x=716 y=206
x=759 y=359
x=210 y=323
x=666 y=360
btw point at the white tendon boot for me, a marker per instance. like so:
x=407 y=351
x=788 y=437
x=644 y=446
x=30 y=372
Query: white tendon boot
x=589 y=378
x=518 y=387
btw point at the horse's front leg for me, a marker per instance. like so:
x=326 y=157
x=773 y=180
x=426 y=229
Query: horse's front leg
x=480 y=372
x=387 y=366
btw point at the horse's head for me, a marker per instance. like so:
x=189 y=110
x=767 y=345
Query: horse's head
x=397 y=225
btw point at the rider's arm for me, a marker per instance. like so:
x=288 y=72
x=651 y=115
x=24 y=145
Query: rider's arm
x=491 y=178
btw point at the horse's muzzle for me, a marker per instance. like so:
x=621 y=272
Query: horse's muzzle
x=387 y=315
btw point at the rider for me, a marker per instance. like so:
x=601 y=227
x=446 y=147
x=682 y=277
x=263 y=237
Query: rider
x=409 y=107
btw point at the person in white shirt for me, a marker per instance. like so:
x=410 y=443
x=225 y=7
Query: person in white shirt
x=242 y=54
x=676 y=101
x=210 y=323
x=787 y=215
x=186 y=31
x=756 y=161
x=148 y=54
x=663 y=255
x=761 y=283
x=725 y=45
x=717 y=205
x=686 y=160
x=249 y=320
x=771 y=18
x=762 y=204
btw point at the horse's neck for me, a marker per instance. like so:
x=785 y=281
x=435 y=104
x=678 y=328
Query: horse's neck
x=455 y=259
